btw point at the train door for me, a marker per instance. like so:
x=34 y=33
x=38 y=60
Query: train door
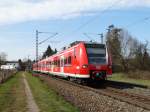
x=75 y=62
x=62 y=64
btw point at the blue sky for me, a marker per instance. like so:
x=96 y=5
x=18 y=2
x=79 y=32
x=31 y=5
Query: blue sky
x=19 y=20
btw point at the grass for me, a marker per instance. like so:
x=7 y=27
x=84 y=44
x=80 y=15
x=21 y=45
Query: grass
x=12 y=96
x=123 y=78
x=47 y=99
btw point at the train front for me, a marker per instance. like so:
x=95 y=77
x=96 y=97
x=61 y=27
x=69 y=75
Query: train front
x=99 y=61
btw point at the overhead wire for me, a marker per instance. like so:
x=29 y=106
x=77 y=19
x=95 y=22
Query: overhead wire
x=100 y=13
x=137 y=22
x=90 y=38
x=47 y=38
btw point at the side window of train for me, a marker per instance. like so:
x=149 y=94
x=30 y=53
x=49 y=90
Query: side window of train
x=69 y=60
x=62 y=63
x=65 y=61
x=54 y=62
x=50 y=64
x=58 y=62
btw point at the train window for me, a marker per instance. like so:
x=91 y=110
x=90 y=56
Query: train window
x=58 y=63
x=48 y=64
x=65 y=61
x=62 y=62
x=55 y=62
x=69 y=60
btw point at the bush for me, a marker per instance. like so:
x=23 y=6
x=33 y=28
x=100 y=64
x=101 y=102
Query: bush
x=117 y=68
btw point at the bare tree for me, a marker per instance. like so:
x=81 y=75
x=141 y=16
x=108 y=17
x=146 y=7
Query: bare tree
x=3 y=57
x=114 y=46
x=128 y=48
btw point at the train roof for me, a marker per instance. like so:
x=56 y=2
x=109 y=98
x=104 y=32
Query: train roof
x=72 y=45
x=85 y=42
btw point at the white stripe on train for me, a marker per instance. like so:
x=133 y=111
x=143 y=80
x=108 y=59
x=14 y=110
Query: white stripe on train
x=68 y=74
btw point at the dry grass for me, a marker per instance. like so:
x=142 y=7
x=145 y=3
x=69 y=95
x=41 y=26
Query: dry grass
x=131 y=78
x=145 y=75
x=47 y=99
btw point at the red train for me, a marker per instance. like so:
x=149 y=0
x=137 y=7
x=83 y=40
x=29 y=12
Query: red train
x=82 y=60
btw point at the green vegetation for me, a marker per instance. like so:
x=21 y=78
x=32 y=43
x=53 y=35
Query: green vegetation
x=12 y=96
x=47 y=99
x=49 y=51
x=124 y=78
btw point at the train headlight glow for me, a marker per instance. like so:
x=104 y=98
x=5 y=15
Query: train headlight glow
x=85 y=66
x=109 y=66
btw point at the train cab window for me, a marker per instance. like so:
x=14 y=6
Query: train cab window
x=96 y=53
x=69 y=60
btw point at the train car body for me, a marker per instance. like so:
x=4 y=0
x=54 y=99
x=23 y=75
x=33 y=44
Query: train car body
x=82 y=60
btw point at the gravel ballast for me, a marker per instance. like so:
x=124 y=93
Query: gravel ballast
x=140 y=91
x=88 y=101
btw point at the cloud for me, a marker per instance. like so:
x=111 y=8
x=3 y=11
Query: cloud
x=27 y=10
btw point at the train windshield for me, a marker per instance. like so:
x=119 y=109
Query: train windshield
x=96 y=53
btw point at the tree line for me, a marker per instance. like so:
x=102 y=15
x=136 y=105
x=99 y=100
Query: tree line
x=26 y=64
x=49 y=52
x=128 y=53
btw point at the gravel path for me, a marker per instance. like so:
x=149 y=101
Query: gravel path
x=88 y=101
x=32 y=106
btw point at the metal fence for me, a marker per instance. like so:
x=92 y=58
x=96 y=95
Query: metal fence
x=6 y=74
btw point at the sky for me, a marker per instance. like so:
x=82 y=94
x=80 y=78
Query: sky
x=19 y=19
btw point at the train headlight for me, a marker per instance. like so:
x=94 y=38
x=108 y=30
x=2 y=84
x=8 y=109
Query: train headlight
x=109 y=66
x=85 y=66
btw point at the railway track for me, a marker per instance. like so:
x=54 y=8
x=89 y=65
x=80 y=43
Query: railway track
x=133 y=99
